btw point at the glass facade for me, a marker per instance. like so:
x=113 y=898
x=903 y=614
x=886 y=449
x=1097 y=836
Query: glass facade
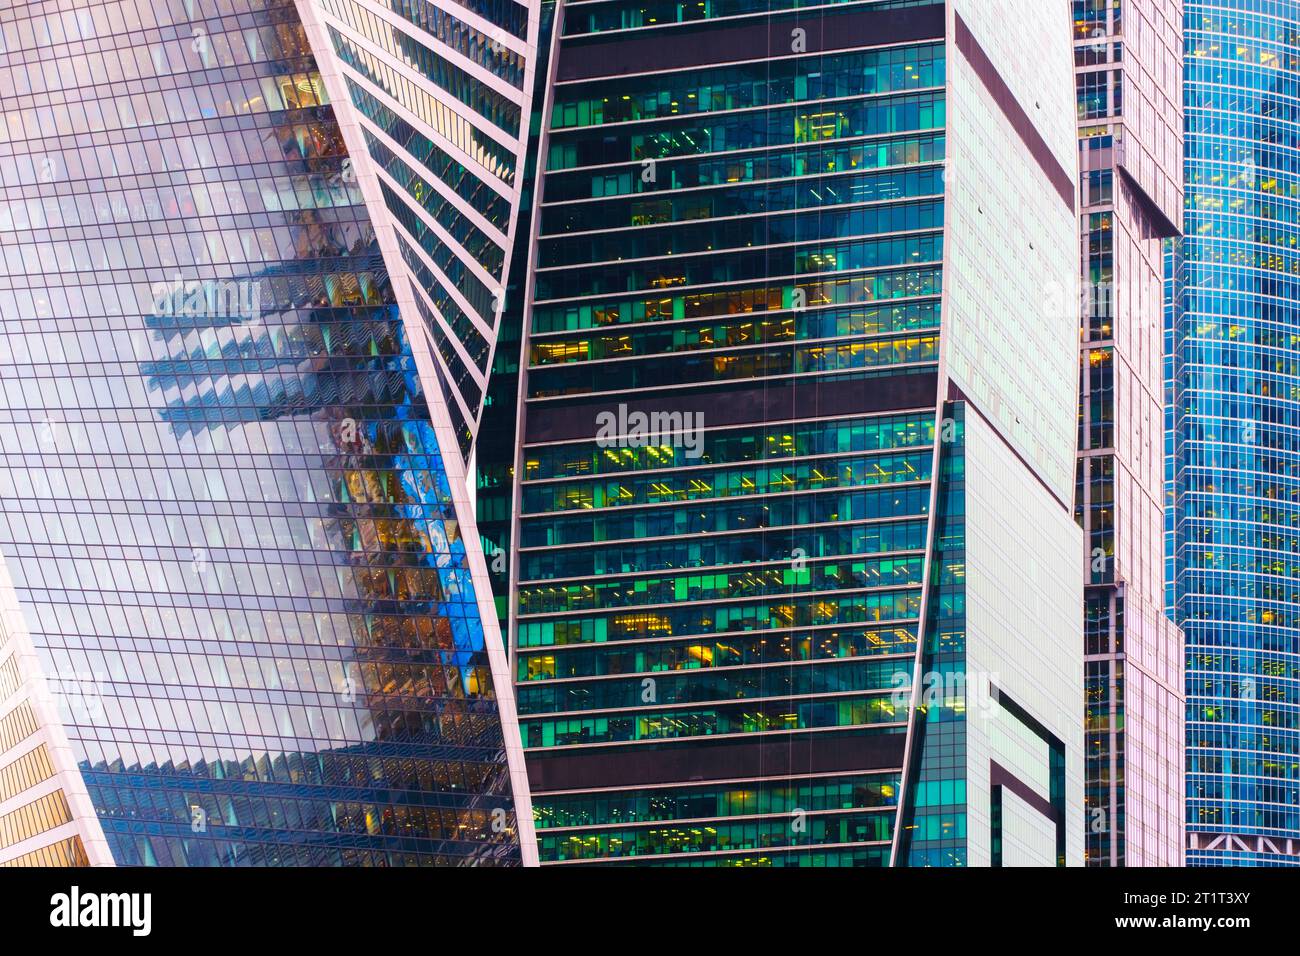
x=496 y=445
x=715 y=614
x=1129 y=195
x=1233 y=481
x=438 y=91
x=222 y=501
x=698 y=297
x=934 y=829
x=739 y=540
x=441 y=92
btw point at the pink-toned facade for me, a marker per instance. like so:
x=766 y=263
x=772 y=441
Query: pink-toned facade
x=1128 y=66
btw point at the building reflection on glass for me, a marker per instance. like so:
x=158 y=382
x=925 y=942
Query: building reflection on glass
x=222 y=502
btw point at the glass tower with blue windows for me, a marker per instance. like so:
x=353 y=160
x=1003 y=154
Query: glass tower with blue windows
x=1233 y=442
x=225 y=510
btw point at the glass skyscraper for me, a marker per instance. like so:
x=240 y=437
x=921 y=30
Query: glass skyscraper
x=249 y=622
x=795 y=576
x=1233 y=477
x=1130 y=166
x=734 y=345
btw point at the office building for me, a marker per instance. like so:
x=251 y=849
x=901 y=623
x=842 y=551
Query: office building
x=795 y=570
x=1127 y=71
x=249 y=620
x=1233 y=528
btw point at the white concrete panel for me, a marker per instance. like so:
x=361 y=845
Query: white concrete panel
x=1028 y=837
x=1011 y=244
x=1024 y=623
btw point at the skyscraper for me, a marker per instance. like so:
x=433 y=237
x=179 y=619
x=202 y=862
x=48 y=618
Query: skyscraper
x=1233 y=530
x=1127 y=65
x=795 y=573
x=250 y=622
x=748 y=327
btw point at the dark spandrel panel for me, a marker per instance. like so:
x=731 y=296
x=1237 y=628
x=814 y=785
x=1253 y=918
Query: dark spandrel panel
x=694 y=45
x=600 y=16
x=221 y=498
